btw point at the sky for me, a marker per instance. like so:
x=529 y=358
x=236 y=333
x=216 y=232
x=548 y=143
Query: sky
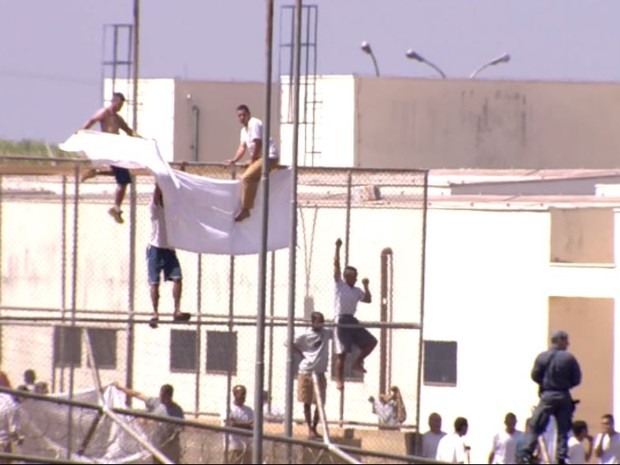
x=51 y=51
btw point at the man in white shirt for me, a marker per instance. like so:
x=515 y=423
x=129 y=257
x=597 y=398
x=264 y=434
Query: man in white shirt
x=607 y=443
x=239 y=416
x=313 y=345
x=161 y=258
x=579 y=444
x=452 y=447
x=350 y=332
x=430 y=439
x=505 y=443
x=8 y=423
x=251 y=140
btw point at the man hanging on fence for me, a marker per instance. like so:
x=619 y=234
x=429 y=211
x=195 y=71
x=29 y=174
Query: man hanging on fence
x=111 y=122
x=166 y=437
x=251 y=141
x=162 y=258
x=313 y=345
x=350 y=332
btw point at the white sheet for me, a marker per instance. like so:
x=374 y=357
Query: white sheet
x=199 y=211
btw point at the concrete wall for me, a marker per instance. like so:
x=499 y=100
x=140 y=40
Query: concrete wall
x=412 y=123
x=218 y=127
x=489 y=283
x=327 y=102
x=155 y=109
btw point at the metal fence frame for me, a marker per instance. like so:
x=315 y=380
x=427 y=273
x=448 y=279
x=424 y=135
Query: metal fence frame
x=70 y=170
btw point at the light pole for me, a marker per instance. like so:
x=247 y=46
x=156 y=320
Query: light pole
x=413 y=55
x=368 y=50
x=505 y=58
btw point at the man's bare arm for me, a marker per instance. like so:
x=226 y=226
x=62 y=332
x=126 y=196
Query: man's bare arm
x=125 y=127
x=367 y=298
x=130 y=392
x=238 y=154
x=337 y=272
x=96 y=118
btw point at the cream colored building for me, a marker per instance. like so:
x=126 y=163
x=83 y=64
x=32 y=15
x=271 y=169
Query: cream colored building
x=394 y=122
x=502 y=271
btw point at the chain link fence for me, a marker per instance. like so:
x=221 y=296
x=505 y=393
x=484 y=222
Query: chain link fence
x=72 y=277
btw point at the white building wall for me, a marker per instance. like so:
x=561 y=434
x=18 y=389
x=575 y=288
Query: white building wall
x=487 y=286
x=334 y=126
x=155 y=109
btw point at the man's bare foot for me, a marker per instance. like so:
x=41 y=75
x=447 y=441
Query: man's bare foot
x=91 y=173
x=358 y=366
x=339 y=385
x=313 y=434
x=242 y=215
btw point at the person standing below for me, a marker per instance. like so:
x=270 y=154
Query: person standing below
x=166 y=437
x=313 y=345
x=390 y=409
x=556 y=372
x=350 y=332
x=430 y=439
x=607 y=443
x=505 y=443
x=452 y=447
x=111 y=122
x=162 y=258
x=239 y=416
x=579 y=444
x=252 y=142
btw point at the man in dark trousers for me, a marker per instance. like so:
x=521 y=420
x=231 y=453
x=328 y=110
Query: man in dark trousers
x=556 y=372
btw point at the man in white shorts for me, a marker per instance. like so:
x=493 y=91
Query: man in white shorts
x=313 y=345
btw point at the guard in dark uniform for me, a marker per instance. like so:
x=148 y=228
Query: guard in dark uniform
x=556 y=372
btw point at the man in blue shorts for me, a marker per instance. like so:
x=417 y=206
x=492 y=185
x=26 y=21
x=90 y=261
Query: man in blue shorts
x=111 y=122
x=160 y=258
x=350 y=332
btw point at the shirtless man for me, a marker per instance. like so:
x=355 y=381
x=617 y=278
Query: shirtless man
x=111 y=122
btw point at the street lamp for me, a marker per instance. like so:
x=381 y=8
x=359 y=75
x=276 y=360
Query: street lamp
x=367 y=50
x=413 y=55
x=505 y=58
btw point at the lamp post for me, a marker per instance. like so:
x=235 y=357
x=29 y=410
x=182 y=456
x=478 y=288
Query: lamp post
x=505 y=58
x=413 y=55
x=368 y=50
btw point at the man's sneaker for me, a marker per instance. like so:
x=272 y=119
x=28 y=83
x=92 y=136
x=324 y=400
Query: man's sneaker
x=116 y=214
x=91 y=173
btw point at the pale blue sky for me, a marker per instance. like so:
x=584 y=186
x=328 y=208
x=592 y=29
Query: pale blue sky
x=51 y=50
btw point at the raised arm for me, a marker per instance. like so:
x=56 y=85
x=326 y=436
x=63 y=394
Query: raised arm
x=130 y=392
x=367 y=298
x=337 y=271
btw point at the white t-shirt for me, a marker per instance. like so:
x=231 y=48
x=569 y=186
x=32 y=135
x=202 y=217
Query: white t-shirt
x=611 y=448
x=451 y=449
x=159 y=237
x=8 y=417
x=346 y=298
x=576 y=451
x=505 y=447
x=430 y=441
x=254 y=132
x=315 y=349
x=243 y=414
